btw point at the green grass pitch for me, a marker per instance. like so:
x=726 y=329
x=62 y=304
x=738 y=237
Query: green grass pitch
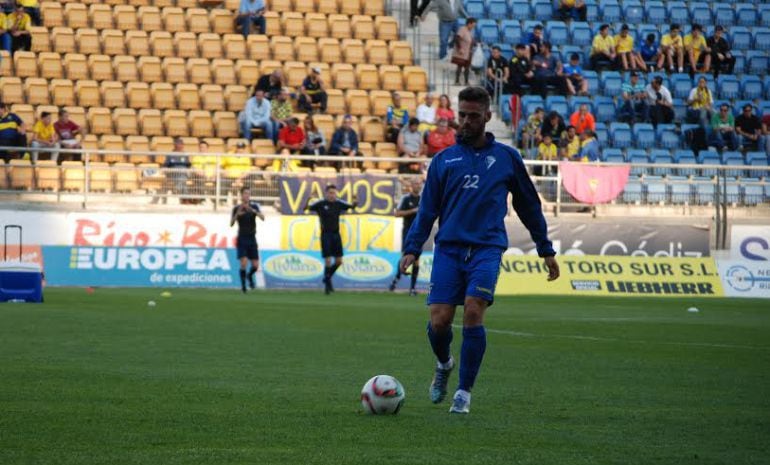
x=216 y=377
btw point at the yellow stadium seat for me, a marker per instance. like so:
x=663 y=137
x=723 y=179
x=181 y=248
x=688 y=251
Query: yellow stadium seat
x=212 y=97
x=258 y=47
x=47 y=108
x=125 y=68
x=223 y=71
x=162 y=44
x=185 y=3
x=235 y=46
x=175 y=122
x=22 y=174
x=387 y=27
x=201 y=124
x=391 y=78
x=272 y=23
x=5 y=63
x=76 y=66
x=374 y=7
x=353 y=51
x=53 y=14
x=113 y=94
x=354 y=120
x=279 y=5
x=325 y=124
x=126 y=177
x=100 y=120
x=295 y=72
x=306 y=49
x=113 y=42
x=304 y=7
x=24 y=111
x=197 y=20
x=235 y=97
x=372 y=129
x=268 y=66
x=137 y=43
x=186 y=44
x=367 y=76
x=335 y=104
x=210 y=45
x=292 y=24
x=187 y=97
x=199 y=71
x=151 y=122
x=222 y=21
x=247 y=72
x=216 y=145
x=380 y=100
x=316 y=24
x=48 y=175
x=138 y=95
x=125 y=122
x=330 y=50
x=386 y=150
x=78 y=115
x=162 y=144
x=63 y=40
x=400 y=53
x=344 y=76
x=358 y=102
x=409 y=101
x=11 y=90
x=138 y=144
x=150 y=69
x=233 y=5
x=37 y=91
x=416 y=79
x=149 y=19
x=50 y=65
x=262 y=147
x=377 y=52
x=112 y=142
x=151 y=178
x=175 y=70
x=363 y=27
x=88 y=93
x=125 y=17
x=339 y=26
x=350 y=7
x=163 y=95
x=88 y=41
x=282 y=48
x=327 y=7
x=101 y=16
x=73 y=176
x=25 y=64
x=173 y=19
x=366 y=150
x=41 y=42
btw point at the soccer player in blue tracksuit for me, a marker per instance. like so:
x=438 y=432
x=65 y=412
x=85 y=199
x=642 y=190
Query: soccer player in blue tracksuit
x=467 y=190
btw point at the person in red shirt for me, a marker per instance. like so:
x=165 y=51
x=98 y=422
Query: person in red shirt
x=444 y=110
x=291 y=138
x=582 y=120
x=439 y=138
x=68 y=132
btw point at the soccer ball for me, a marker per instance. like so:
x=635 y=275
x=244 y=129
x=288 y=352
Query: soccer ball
x=381 y=395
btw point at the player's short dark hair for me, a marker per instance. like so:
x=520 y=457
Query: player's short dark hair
x=45 y=114
x=244 y=189
x=475 y=94
x=496 y=47
x=697 y=27
x=651 y=37
x=574 y=56
x=604 y=26
x=538 y=27
x=674 y=26
x=62 y=112
x=203 y=142
x=413 y=121
x=520 y=46
x=330 y=187
x=471 y=21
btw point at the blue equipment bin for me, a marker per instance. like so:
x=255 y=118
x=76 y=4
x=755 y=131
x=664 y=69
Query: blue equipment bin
x=19 y=282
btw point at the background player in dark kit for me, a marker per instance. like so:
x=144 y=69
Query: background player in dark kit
x=246 y=213
x=407 y=209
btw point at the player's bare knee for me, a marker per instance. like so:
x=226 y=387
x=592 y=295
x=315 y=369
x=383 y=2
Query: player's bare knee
x=338 y=261
x=473 y=314
x=441 y=316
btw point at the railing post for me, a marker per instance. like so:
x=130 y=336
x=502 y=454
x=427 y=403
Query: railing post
x=87 y=180
x=558 y=191
x=217 y=181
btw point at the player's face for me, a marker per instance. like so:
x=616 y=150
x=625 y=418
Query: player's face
x=331 y=195
x=416 y=187
x=472 y=117
x=245 y=196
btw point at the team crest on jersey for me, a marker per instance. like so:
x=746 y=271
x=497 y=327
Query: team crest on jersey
x=490 y=161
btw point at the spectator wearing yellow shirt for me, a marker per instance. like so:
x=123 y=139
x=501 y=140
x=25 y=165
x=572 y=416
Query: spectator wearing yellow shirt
x=603 y=48
x=624 y=46
x=204 y=163
x=17 y=25
x=699 y=104
x=546 y=151
x=697 y=50
x=671 y=46
x=32 y=8
x=5 y=38
x=236 y=165
x=569 y=143
x=44 y=136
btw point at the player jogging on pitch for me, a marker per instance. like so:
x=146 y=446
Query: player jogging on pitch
x=467 y=190
x=407 y=209
x=328 y=211
x=246 y=213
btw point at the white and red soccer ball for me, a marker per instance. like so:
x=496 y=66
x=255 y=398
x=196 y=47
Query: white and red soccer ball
x=382 y=395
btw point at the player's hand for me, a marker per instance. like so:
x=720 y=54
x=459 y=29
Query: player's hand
x=406 y=261
x=553 y=268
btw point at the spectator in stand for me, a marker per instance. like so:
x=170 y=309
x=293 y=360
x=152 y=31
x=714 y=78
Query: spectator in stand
x=572 y=9
x=749 y=128
x=498 y=73
x=315 y=141
x=5 y=38
x=396 y=118
x=291 y=140
x=17 y=25
x=531 y=135
x=546 y=151
x=521 y=72
x=699 y=104
x=178 y=164
x=671 y=46
x=345 y=140
x=659 y=102
x=409 y=145
x=583 y=120
x=257 y=114
x=68 y=132
x=204 y=165
x=535 y=41
x=448 y=11
x=576 y=83
x=766 y=132
x=624 y=46
x=553 y=126
x=236 y=166
x=698 y=52
x=12 y=132
x=569 y=144
x=445 y=111
x=463 y=48
x=426 y=113
x=721 y=56
x=723 y=129
x=271 y=84
x=44 y=137
x=280 y=111
x=312 y=92
x=634 y=108
x=649 y=52
x=251 y=12
x=548 y=71
x=32 y=8
x=589 y=147
x=603 y=48
x=439 y=138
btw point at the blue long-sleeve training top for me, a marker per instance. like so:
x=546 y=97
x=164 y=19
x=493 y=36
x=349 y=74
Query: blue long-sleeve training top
x=467 y=190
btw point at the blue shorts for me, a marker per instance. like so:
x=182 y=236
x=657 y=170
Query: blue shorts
x=247 y=247
x=461 y=271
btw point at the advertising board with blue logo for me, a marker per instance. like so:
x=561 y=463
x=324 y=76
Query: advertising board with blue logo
x=750 y=242
x=745 y=278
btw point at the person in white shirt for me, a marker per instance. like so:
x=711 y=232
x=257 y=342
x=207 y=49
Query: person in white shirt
x=426 y=114
x=660 y=103
x=257 y=114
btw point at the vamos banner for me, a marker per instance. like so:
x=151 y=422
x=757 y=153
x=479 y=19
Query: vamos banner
x=745 y=278
x=375 y=194
x=615 y=276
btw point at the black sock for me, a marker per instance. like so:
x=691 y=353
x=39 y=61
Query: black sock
x=415 y=272
x=252 y=272
x=327 y=272
x=243 y=278
x=333 y=269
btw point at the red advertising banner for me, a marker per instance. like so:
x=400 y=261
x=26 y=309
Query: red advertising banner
x=593 y=184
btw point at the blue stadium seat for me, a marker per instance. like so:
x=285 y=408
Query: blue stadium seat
x=543 y=10
x=644 y=135
x=557 y=33
x=751 y=87
x=486 y=31
x=733 y=192
x=656 y=12
x=529 y=25
x=620 y=134
x=709 y=157
x=506 y=50
x=681 y=190
x=633 y=12
x=611 y=83
x=677 y=12
x=557 y=103
x=680 y=85
x=475 y=8
x=580 y=33
x=757 y=159
x=758 y=62
x=613 y=155
x=611 y=12
x=644 y=30
x=592 y=11
x=636 y=156
x=723 y=14
x=511 y=32
x=752 y=192
x=704 y=192
x=745 y=14
x=762 y=38
x=576 y=101
x=604 y=109
x=567 y=50
x=700 y=13
x=740 y=62
x=656 y=189
x=729 y=86
x=710 y=82
x=661 y=156
x=763 y=11
x=530 y=102
x=766 y=85
x=505 y=108
x=632 y=193
x=497 y=9
x=685 y=157
x=520 y=9
x=733 y=161
x=602 y=135
x=764 y=108
x=667 y=136
x=739 y=104
x=593 y=81
x=680 y=109
x=740 y=38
